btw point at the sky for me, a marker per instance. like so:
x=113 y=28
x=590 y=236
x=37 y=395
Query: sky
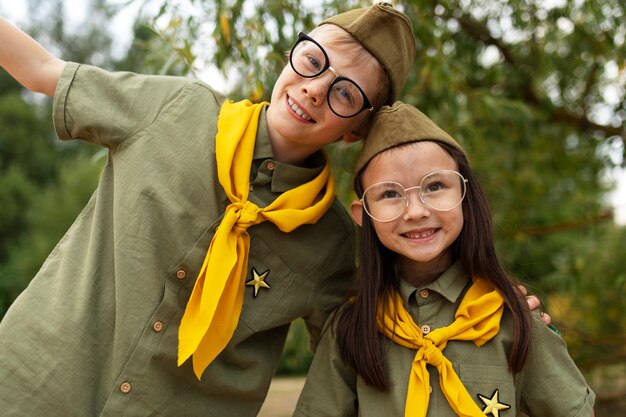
x=76 y=11
x=121 y=27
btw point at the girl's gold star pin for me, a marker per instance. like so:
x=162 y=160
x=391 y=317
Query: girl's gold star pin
x=258 y=281
x=493 y=406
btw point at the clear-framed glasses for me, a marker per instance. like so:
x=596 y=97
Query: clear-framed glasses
x=440 y=190
x=309 y=60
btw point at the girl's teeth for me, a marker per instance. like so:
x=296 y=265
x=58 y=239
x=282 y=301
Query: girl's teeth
x=420 y=235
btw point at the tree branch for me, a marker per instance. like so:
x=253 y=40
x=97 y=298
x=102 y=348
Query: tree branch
x=561 y=115
x=561 y=227
x=478 y=31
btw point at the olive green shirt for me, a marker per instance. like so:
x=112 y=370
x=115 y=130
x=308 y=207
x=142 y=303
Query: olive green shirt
x=549 y=385
x=96 y=332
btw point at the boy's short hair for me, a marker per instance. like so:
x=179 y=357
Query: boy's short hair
x=387 y=34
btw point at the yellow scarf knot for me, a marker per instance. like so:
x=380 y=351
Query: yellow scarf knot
x=431 y=353
x=247 y=215
x=477 y=319
x=213 y=310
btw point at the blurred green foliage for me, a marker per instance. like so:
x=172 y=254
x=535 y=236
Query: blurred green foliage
x=534 y=90
x=296 y=358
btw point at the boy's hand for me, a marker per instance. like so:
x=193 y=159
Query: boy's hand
x=533 y=303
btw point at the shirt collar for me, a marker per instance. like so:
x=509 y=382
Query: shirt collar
x=450 y=284
x=283 y=177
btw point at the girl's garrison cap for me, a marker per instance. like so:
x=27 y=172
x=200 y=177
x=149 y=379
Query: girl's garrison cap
x=399 y=124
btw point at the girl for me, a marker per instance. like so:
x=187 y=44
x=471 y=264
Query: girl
x=436 y=327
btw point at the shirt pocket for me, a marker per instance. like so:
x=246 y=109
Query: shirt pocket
x=490 y=384
x=270 y=307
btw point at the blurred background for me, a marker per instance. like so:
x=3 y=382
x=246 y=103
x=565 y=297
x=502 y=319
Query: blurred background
x=534 y=90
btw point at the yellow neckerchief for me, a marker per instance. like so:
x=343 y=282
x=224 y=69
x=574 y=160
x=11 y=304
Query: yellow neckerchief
x=477 y=319
x=214 y=307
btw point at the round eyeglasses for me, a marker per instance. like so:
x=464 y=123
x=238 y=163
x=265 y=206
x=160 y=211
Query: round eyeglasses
x=309 y=60
x=440 y=190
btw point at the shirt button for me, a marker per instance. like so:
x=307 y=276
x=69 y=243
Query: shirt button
x=157 y=326
x=181 y=274
x=251 y=187
x=424 y=293
x=125 y=387
x=426 y=329
x=271 y=166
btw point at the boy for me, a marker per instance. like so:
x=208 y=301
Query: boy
x=125 y=294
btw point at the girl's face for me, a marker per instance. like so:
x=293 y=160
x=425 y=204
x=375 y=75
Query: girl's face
x=299 y=120
x=421 y=236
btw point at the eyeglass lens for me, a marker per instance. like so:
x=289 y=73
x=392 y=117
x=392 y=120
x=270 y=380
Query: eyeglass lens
x=440 y=190
x=309 y=60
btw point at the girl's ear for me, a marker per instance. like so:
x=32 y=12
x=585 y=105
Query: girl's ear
x=358 y=133
x=356 y=208
x=351 y=137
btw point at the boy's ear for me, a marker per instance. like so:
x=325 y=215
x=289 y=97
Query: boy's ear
x=356 y=209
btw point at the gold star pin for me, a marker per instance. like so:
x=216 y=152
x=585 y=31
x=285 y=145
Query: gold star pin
x=493 y=405
x=258 y=281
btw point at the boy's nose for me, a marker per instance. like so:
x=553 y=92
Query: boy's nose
x=317 y=88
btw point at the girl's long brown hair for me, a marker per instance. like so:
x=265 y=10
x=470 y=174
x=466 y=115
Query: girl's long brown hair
x=355 y=324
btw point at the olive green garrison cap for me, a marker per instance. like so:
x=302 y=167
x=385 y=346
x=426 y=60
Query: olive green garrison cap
x=387 y=34
x=399 y=124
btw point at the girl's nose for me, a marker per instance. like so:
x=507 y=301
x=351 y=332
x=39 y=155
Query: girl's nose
x=416 y=208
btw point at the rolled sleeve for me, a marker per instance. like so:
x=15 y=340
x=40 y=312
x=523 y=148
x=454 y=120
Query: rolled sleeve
x=553 y=385
x=106 y=108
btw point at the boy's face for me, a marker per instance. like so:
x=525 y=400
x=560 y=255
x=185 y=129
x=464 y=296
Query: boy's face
x=299 y=119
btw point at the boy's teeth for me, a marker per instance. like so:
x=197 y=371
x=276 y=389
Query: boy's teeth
x=297 y=110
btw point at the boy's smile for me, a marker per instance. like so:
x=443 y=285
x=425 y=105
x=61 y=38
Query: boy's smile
x=298 y=111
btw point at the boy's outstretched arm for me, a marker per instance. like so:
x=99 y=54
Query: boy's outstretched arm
x=27 y=61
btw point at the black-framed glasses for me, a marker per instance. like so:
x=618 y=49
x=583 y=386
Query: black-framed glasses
x=441 y=190
x=309 y=60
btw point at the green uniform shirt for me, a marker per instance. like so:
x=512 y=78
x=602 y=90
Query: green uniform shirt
x=96 y=332
x=549 y=385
